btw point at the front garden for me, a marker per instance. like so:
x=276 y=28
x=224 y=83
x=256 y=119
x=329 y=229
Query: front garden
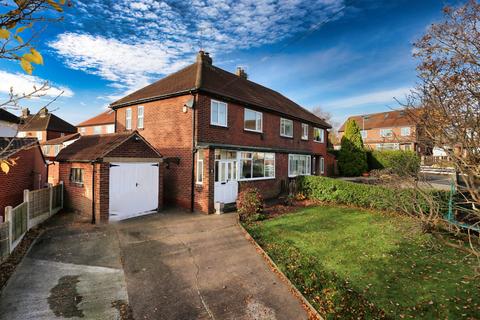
x=354 y=263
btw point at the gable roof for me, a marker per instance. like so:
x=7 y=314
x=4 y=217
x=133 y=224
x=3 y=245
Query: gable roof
x=8 y=117
x=47 y=121
x=381 y=120
x=61 y=140
x=205 y=77
x=95 y=147
x=106 y=117
x=10 y=146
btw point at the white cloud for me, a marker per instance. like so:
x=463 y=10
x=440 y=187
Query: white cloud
x=385 y=96
x=134 y=42
x=24 y=84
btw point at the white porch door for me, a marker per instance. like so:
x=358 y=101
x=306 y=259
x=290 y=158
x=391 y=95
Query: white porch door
x=226 y=188
x=133 y=189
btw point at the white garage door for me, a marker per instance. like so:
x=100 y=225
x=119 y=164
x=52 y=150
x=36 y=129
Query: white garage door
x=133 y=189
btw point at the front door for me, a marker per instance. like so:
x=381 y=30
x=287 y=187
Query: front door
x=226 y=185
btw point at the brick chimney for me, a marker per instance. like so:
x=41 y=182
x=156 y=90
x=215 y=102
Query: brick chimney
x=241 y=73
x=204 y=57
x=25 y=112
x=43 y=112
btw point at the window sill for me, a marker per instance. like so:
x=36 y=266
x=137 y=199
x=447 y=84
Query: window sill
x=252 y=131
x=256 y=179
x=77 y=184
x=218 y=126
x=318 y=141
x=304 y=139
x=288 y=137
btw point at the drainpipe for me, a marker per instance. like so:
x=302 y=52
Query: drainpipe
x=194 y=151
x=93 y=192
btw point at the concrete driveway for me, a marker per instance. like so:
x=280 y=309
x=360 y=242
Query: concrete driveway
x=173 y=265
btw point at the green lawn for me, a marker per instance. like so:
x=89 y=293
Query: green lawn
x=352 y=263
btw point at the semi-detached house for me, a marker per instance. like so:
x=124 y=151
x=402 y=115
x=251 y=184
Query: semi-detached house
x=220 y=132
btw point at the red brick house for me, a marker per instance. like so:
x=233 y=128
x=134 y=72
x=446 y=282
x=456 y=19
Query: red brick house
x=28 y=172
x=43 y=125
x=8 y=123
x=116 y=176
x=221 y=132
x=50 y=150
x=100 y=124
x=393 y=130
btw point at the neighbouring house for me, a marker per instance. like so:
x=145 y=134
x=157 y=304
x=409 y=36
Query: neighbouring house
x=100 y=124
x=28 y=170
x=220 y=133
x=51 y=148
x=8 y=124
x=43 y=125
x=122 y=172
x=392 y=130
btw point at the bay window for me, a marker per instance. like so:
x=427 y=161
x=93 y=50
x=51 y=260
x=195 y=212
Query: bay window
x=286 y=128
x=253 y=120
x=298 y=165
x=257 y=165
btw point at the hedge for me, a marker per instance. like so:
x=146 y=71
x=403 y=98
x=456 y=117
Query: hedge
x=399 y=161
x=364 y=195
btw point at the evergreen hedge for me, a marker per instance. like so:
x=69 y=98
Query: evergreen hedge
x=399 y=161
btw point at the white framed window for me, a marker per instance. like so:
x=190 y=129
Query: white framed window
x=387 y=146
x=299 y=165
x=97 y=129
x=76 y=175
x=56 y=149
x=252 y=120
x=140 y=117
x=199 y=176
x=128 y=119
x=110 y=128
x=46 y=149
x=322 y=165
x=257 y=165
x=364 y=134
x=82 y=130
x=304 y=131
x=39 y=135
x=218 y=113
x=405 y=131
x=386 y=132
x=62 y=134
x=286 y=128
x=21 y=134
x=318 y=135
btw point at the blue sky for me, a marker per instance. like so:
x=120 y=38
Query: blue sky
x=347 y=56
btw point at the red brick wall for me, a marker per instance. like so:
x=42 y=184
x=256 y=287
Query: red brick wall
x=77 y=197
x=29 y=172
x=133 y=148
x=168 y=129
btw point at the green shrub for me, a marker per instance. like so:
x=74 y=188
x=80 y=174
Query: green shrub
x=352 y=158
x=250 y=205
x=366 y=196
x=398 y=161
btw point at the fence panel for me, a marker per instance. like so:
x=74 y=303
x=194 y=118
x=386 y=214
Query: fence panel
x=57 y=196
x=4 y=241
x=19 y=221
x=39 y=201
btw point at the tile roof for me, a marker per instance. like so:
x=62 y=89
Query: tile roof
x=61 y=140
x=48 y=121
x=205 y=77
x=95 y=147
x=10 y=146
x=102 y=118
x=8 y=117
x=388 y=119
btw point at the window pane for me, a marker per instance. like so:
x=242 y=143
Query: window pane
x=269 y=168
x=258 y=165
x=250 y=120
x=216 y=170
x=246 y=169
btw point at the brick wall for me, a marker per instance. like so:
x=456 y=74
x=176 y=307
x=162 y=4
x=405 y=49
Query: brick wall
x=77 y=197
x=133 y=148
x=30 y=172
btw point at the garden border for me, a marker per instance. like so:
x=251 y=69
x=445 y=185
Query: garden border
x=311 y=311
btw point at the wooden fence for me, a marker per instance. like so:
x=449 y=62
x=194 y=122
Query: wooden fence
x=37 y=206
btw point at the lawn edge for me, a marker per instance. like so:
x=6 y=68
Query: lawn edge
x=311 y=311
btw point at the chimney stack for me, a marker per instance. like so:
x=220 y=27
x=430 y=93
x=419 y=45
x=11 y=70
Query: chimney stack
x=241 y=73
x=204 y=57
x=25 y=112
x=43 y=112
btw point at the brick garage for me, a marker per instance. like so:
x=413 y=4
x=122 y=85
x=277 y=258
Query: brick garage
x=97 y=168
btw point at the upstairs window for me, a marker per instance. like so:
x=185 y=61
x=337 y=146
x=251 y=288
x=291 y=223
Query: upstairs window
x=405 y=131
x=304 y=131
x=46 y=149
x=140 y=117
x=128 y=119
x=82 y=130
x=110 y=128
x=253 y=120
x=56 y=149
x=318 y=135
x=97 y=129
x=39 y=135
x=364 y=134
x=286 y=128
x=218 y=113
x=76 y=175
x=386 y=133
